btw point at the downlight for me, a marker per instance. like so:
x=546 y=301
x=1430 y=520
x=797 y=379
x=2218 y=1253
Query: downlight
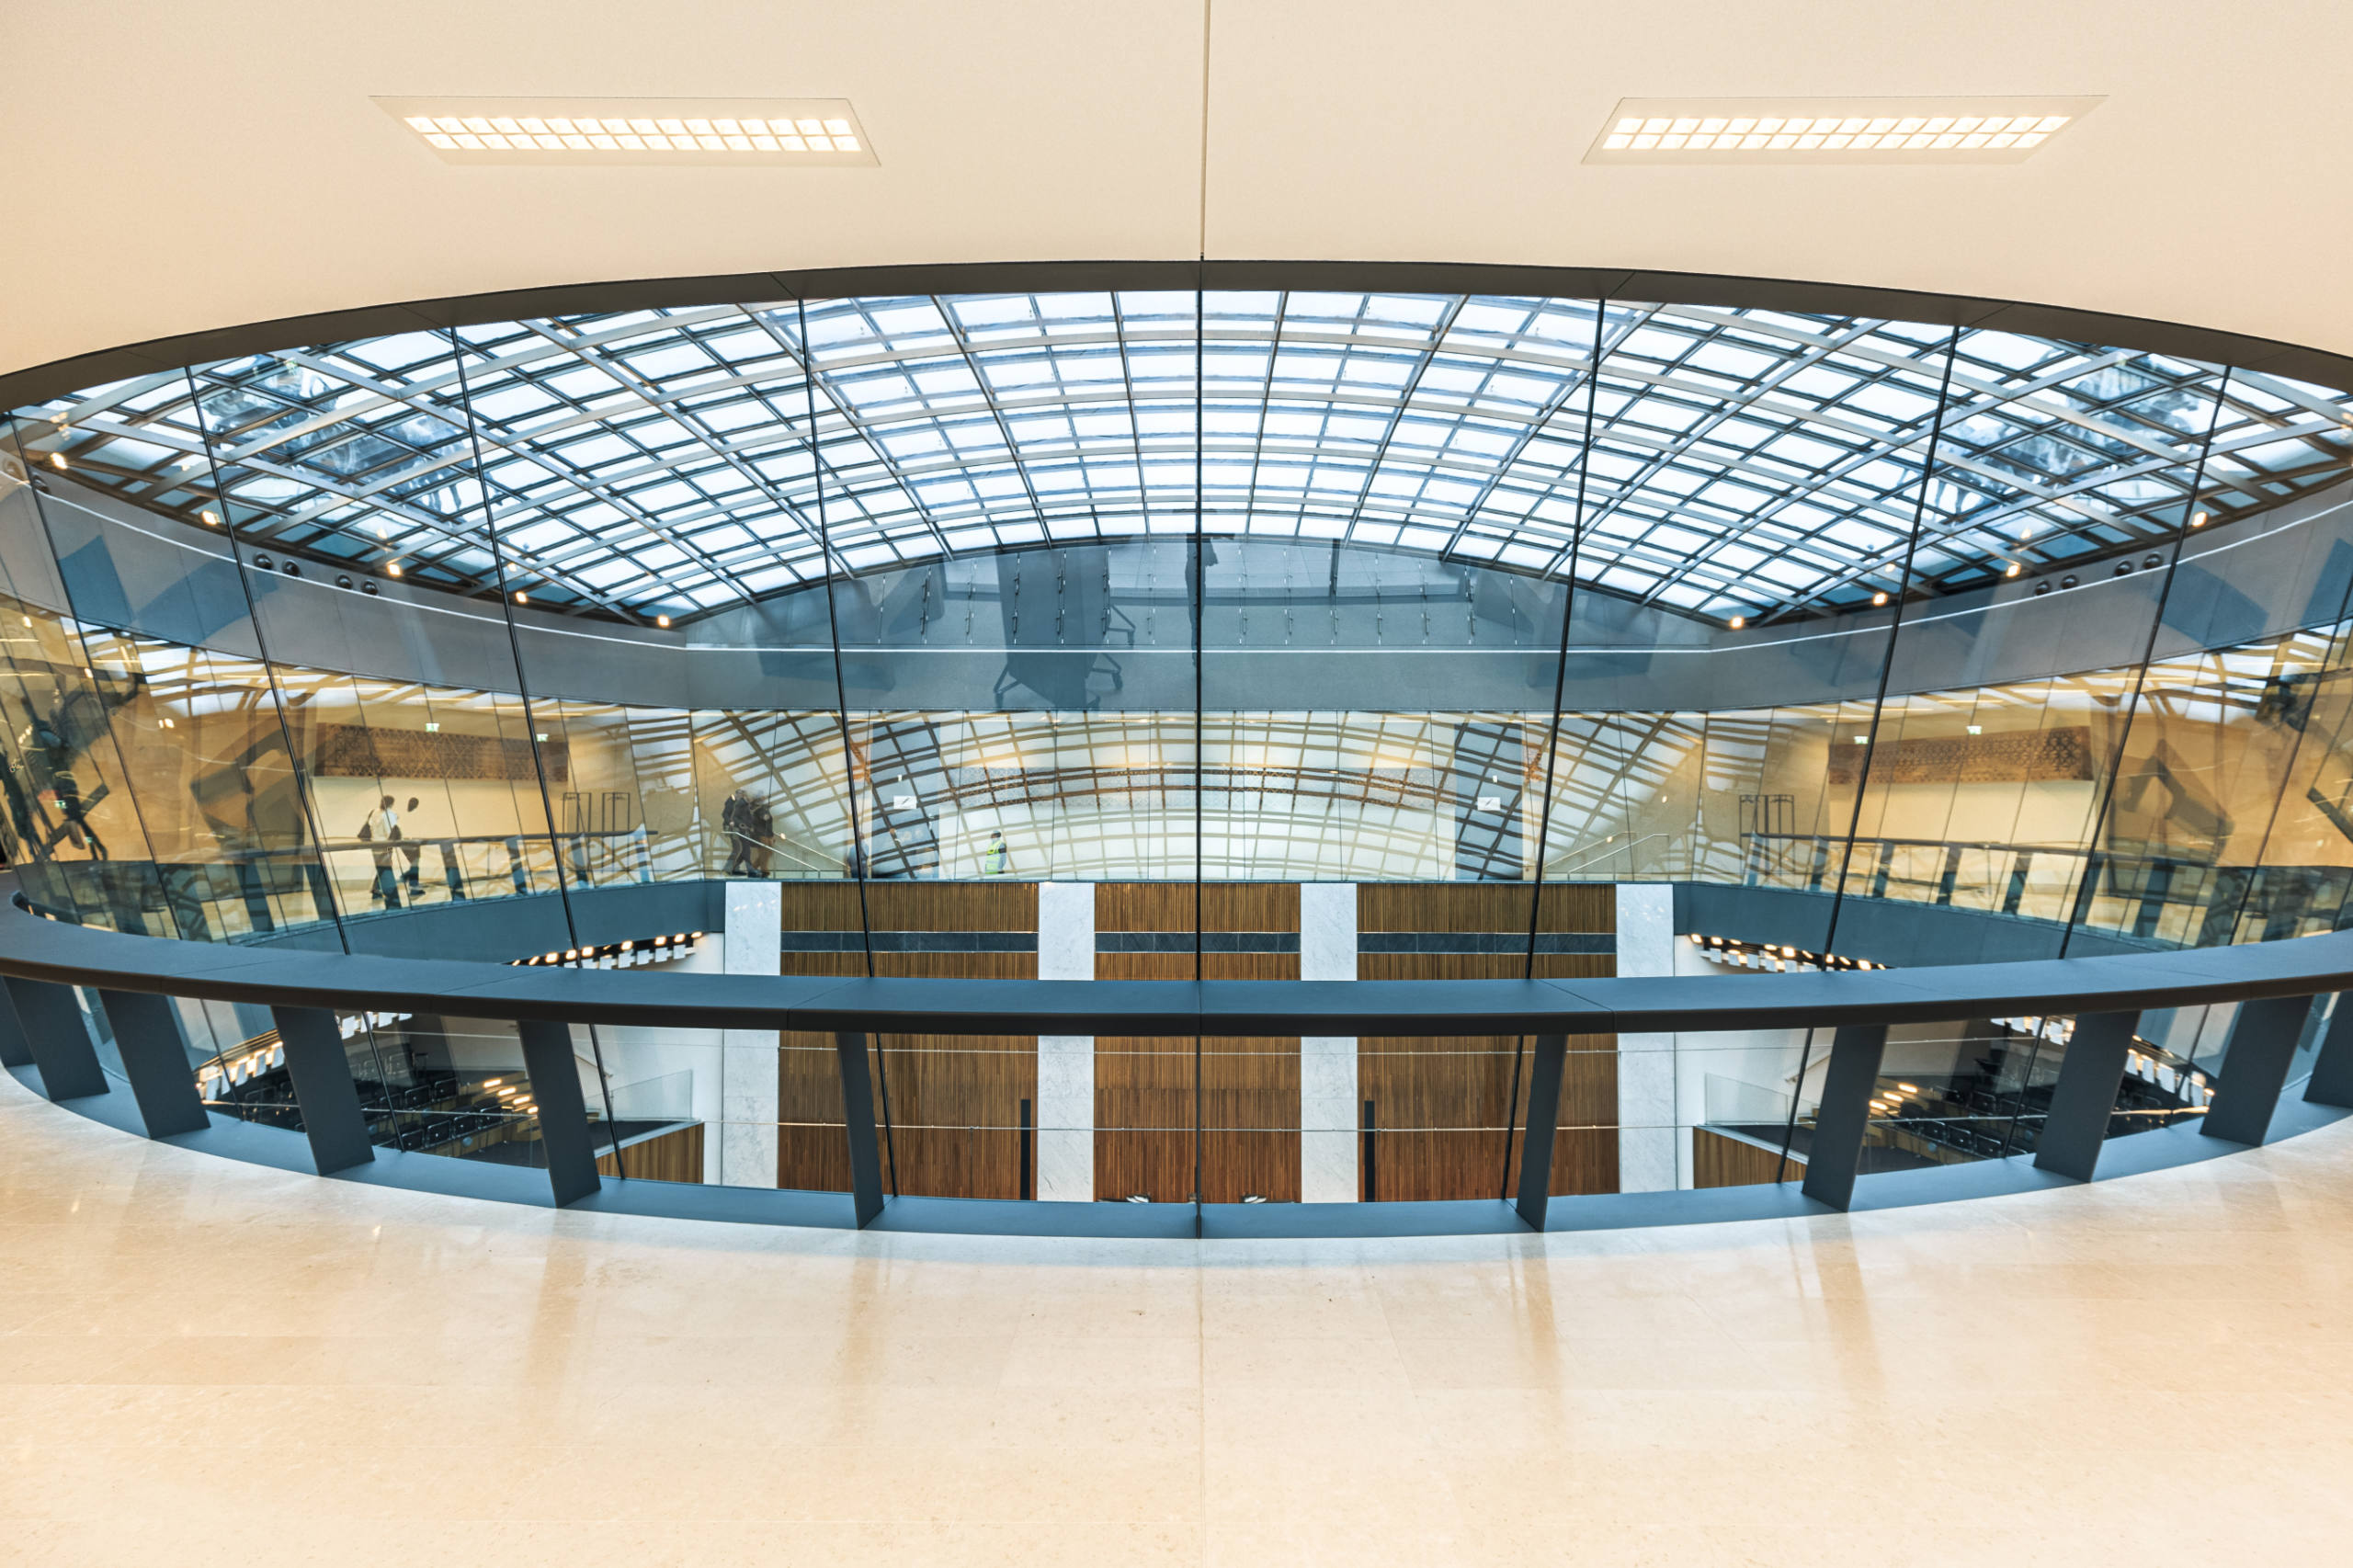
x=1832 y=130
x=820 y=131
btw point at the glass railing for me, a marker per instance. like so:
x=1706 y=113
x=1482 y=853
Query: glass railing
x=2163 y=900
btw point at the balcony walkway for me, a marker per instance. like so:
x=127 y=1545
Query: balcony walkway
x=206 y=1362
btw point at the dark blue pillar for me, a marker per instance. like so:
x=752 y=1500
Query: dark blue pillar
x=2332 y=1081
x=564 y=1112
x=1545 y=1071
x=2085 y=1097
x=322 y=1088
x=16 y=1050
x=2255 y=1069
x=162 y=1079
x=58 y=1040
x=857 y=1118
x=1845 y=1114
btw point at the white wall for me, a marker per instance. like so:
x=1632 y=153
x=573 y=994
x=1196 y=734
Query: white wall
x=1066 y=1063
x=1648 y=1136
x=1327 y=1064
x=752 y=943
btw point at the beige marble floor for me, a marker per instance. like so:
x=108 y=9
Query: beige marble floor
x=203 y=1362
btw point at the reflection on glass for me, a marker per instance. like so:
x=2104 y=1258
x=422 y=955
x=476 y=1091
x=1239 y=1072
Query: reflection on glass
x=915 y=606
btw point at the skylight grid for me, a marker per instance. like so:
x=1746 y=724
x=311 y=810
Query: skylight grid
x=1741 y=461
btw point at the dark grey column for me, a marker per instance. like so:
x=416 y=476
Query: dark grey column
x=322 y=1088
x=1543 y=1126
x=1845 y=1114
x=2085 y=1097
x=858 y=1117
x=16 y=1050
x=564 y=1114
x=2263 y=1045
x=2332 y=1081
x=58 y=1040
x=162 y=1079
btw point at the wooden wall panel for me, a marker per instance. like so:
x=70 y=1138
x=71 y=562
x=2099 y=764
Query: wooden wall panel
x=1485 y=906
x=820 y=906
x=954 y=1102
x=811 y=1149
x=912 y=906
x=1168 y=906
x=674 y=1155
x=956 y=1099
x=952 y=906
x=1447 y=1117
x=1719 y=1160
x=1144 y=1103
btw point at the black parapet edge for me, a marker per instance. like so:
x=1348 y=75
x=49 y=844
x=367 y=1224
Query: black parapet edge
x=58 y=378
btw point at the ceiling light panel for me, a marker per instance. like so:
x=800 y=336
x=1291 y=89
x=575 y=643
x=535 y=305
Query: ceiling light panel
x=636 y=131
x=1832 y=130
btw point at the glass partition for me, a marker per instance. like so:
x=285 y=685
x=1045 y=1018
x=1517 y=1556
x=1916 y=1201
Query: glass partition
x=1463 y=611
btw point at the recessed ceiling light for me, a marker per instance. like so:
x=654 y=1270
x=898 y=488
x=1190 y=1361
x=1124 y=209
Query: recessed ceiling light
x=636 y=131
x=1832 y=130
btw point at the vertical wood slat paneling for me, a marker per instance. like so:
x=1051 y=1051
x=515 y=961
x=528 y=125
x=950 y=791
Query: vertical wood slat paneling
x=668 y=1156
x=1486 y=906
x=1442 y=1101
x=1719 y=1160
x=955 y=1099
x=1143 y=1087
x=1445 y=1129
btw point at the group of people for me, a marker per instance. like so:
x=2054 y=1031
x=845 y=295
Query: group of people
x=750 y=830
x=388 y=844
x=745 y=821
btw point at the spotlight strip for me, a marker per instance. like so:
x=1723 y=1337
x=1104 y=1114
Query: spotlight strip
x=809 y=132
x=1832 y=130
x=637 y=950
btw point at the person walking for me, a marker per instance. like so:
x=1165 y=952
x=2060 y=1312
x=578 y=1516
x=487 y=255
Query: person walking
x=763 y=832
x=412 y=850
x=378 y=833
x=736 y=822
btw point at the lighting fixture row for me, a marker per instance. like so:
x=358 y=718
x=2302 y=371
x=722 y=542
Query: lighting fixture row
x=617 y=955
x=824 y=131
x=1773 y=133
x=1767 y=955
x=2009 y=570
x=1830 y=130
x=477 y=134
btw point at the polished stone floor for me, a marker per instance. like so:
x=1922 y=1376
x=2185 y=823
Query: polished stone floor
x=204 y=1362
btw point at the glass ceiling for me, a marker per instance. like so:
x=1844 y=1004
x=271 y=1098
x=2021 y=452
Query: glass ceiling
x=1740 y=462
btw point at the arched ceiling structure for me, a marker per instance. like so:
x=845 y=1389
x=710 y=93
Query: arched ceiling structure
x=1716 y=460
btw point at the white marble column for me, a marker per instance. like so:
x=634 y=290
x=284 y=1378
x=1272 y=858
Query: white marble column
x=1327 y=1065
x=1647 y=1135
x=751 y=942
x=1066 y=1063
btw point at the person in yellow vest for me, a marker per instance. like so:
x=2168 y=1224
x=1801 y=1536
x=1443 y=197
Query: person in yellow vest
x=996 y=859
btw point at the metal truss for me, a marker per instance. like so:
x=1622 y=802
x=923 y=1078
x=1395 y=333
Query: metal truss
x=664 y=462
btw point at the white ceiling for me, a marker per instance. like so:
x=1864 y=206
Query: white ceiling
x=192 y=164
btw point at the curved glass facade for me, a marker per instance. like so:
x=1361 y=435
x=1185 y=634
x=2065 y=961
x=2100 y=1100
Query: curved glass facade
x=1147 y=586
x=1198 y=598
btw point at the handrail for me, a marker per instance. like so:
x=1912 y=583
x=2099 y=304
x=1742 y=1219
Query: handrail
x=1609 y=849
x=41 y=1028
x=38 y=949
